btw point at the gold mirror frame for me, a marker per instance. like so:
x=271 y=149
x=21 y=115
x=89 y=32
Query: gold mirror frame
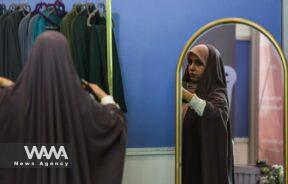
x=192 y=39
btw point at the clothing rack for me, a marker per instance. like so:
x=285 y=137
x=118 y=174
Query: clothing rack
x=109 y=44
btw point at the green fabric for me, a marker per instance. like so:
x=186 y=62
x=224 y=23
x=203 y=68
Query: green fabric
x=66 y=26
x=89 y=49
x=41 y=24
x=118 y=92
x=38 y=27
x=96 y=74
x=79 y=45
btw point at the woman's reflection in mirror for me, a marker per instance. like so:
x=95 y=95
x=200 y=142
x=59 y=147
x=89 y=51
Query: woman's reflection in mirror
x=207 y=155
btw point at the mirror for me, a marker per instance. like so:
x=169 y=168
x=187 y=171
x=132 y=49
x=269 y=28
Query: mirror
x=231 y=106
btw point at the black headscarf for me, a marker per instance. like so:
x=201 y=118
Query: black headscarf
x=48 y=105
x=207 y=143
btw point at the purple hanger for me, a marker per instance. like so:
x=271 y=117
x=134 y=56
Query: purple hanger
x=39 y=6
x=56 y=5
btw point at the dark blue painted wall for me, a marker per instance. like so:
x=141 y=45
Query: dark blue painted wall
x=241 y=108
x=151 y=36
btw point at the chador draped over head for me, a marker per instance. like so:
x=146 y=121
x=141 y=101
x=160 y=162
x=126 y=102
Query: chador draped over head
x=48 y=105
x=207 y=155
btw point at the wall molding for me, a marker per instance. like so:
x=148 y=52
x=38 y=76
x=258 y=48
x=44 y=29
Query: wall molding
x=150 y=151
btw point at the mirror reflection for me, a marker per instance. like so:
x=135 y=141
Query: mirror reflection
x=232 y=108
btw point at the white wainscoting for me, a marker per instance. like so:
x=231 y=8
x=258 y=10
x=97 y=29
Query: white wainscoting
x=149 y=166
x=156 y=165
x=241 y=148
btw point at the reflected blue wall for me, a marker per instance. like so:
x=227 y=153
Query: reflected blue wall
x=241 y=110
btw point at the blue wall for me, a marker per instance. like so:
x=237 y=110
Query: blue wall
x=242 y=106
x=151 y=37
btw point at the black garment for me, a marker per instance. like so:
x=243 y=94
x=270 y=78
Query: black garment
x=209 y=134
x=2 y=9
x=89 y=47
x=2 y=37
x=191 y=165
x=79 y=44
x=12 y=54
x=48 y=105
x=118 y=92
x=97 y=67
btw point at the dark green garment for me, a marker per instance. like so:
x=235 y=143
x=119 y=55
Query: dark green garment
x=12 y=53
x=66 y=26
x=89 y=48
x=118 y=92
x=80 y=41
x=23 y=37
x=2 y=18
x=96 y=73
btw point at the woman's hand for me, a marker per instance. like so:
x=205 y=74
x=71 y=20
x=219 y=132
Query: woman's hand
x=98 y=91
x=5 y=82
x=186 y=95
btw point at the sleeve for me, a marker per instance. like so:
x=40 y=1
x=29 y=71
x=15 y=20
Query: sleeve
x=105 y=121
x=106 y=139
x=217 y=107
x=197 y=104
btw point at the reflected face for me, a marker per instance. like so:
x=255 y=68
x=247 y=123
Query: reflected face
x=196 y=67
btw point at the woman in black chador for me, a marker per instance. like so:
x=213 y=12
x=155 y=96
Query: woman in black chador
x=207 y=156
x=47 y=104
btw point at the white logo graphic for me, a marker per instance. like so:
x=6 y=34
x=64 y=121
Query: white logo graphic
x=44 y=153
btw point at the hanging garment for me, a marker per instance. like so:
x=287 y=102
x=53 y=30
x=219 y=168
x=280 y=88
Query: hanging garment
x=31 y=26
x=96 y=69
x=48 y=105
x=23 y=37
x=2 y=36
x=79 y=44
x=42 y=24
x=89 y=46
x=12 y=53
x=66 y=26
x=38 y=27
x=118 y=92
x=2 y=9
x=207 y=155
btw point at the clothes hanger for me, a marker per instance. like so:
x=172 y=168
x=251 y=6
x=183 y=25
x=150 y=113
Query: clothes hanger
x=92 y=15
x=90 y=6
x=38 y=8
x=25 y=7
x=12 y=6
x=59 y=7
x=77 y=7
